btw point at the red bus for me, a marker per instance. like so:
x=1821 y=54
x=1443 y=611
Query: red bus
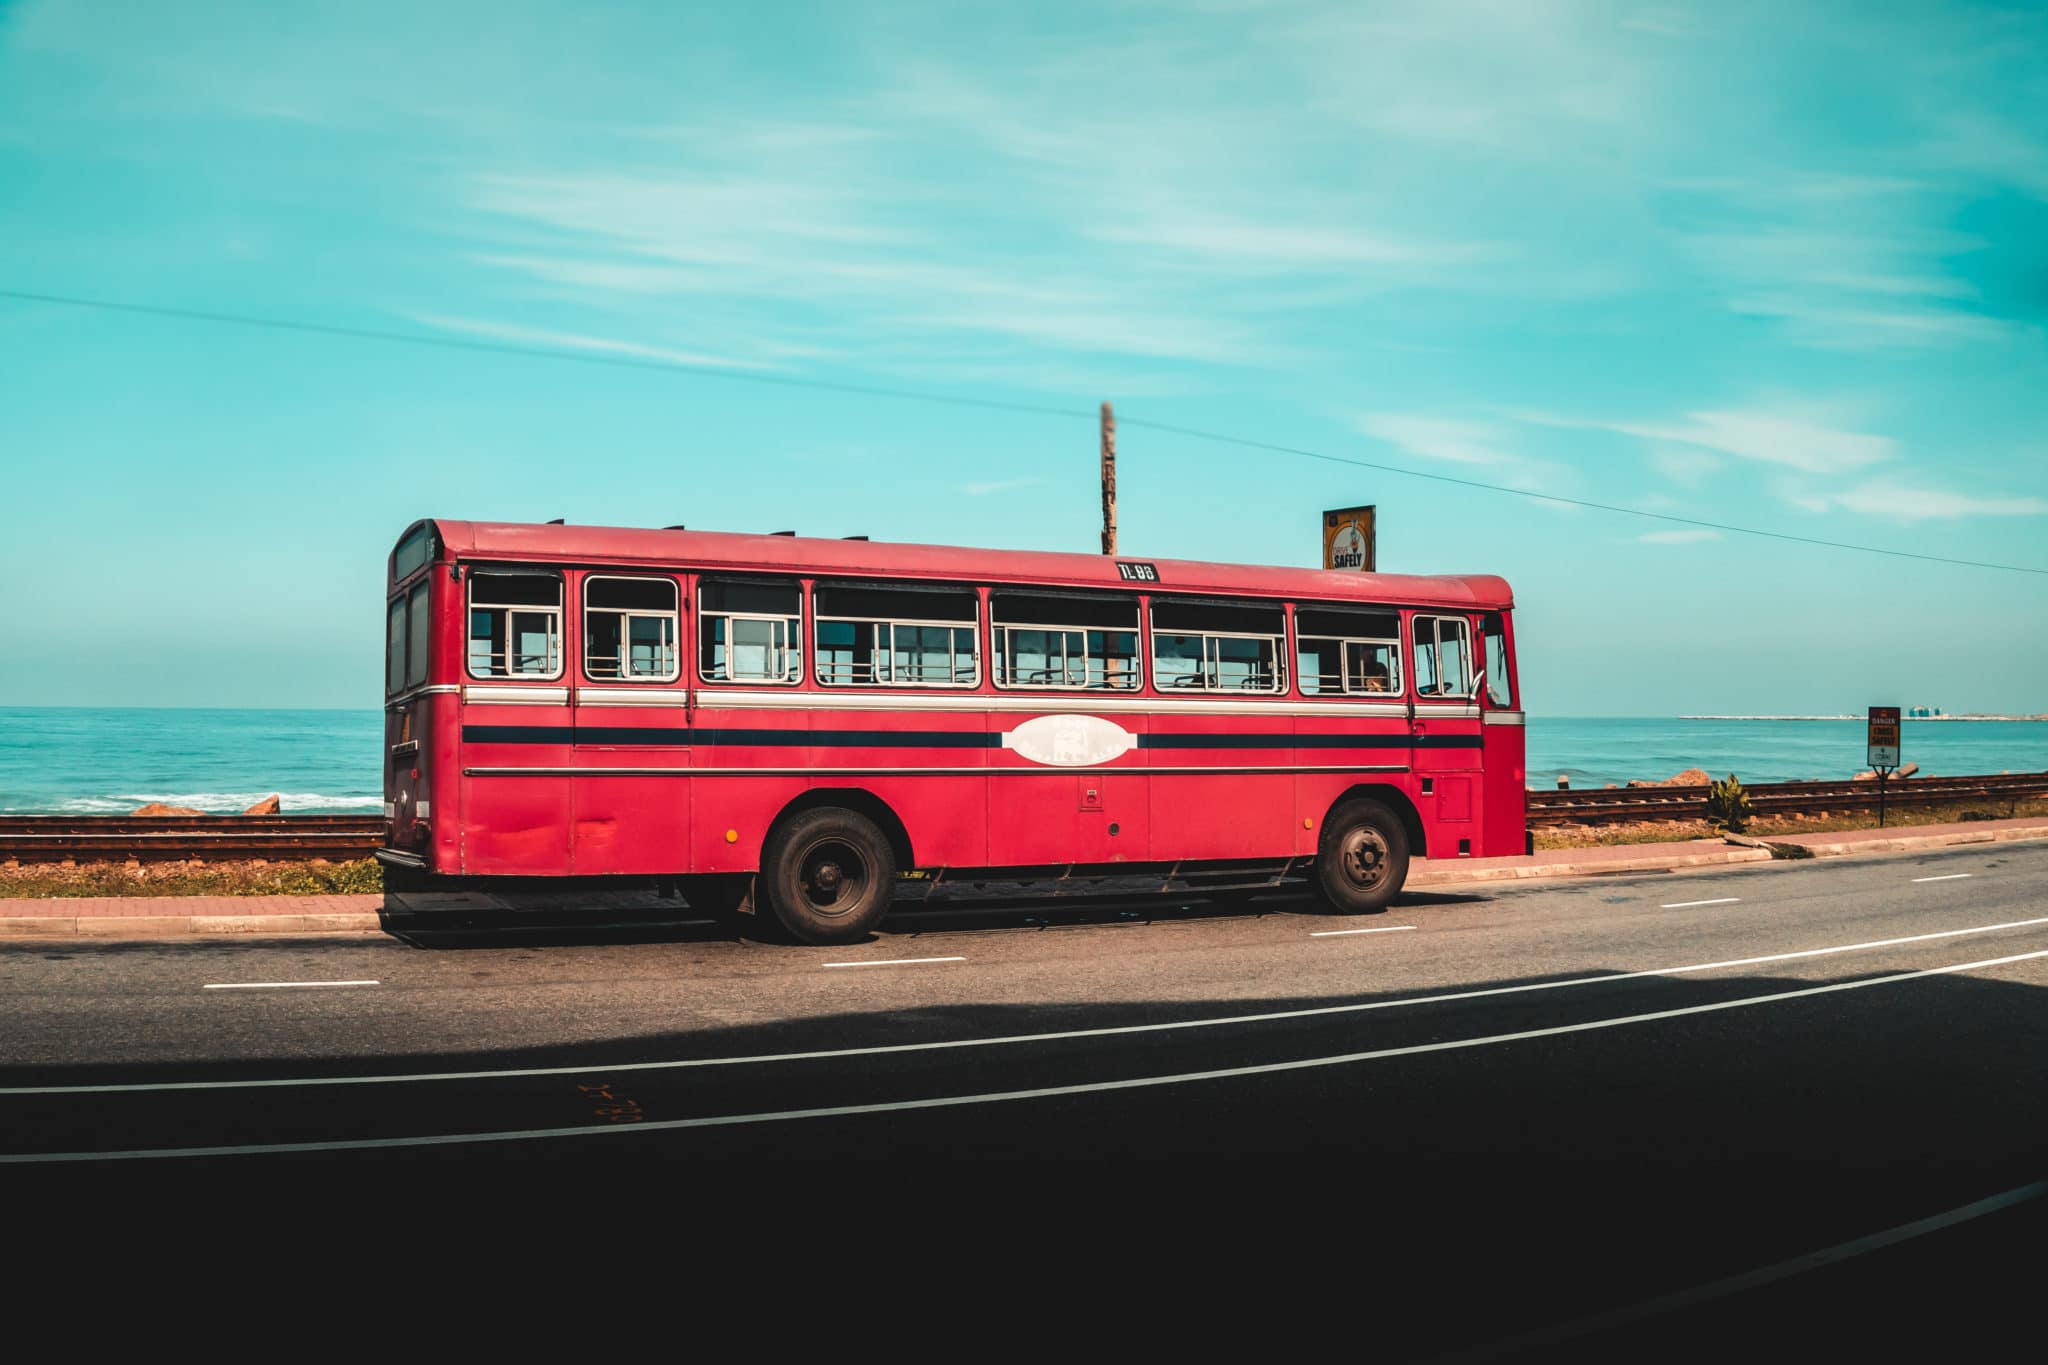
x=785 y=725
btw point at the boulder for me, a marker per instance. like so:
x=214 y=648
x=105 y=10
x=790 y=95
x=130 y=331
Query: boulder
x=1691 y=777
x=159 y=808
x=267 y=806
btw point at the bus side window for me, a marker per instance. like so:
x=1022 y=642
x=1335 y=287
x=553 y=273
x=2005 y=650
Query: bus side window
x=1059 y=640
x=629 y=628
x=1443 y=656
x=749 y=632
x=515 y=624
x=1218 y=647
x=884 y=635
x=1499 y=680
x=1348 y=652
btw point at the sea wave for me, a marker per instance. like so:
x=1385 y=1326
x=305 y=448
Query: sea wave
x=214 y=803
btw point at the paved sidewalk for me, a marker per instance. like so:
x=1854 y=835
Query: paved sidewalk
x=1581 y=862
x=147 y=917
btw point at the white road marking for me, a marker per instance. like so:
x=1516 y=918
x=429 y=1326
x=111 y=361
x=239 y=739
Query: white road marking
x=1004 y=1096
x=827 y=1054
x=895 y=961
x=1953 y=876
x=1681 y=905
x=278 y=985
x=1753 y=1279
x=1334 y=933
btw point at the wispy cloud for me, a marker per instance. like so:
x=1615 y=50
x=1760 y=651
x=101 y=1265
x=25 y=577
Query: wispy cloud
x=575 y=341
x=1893 y=500
x=1684 y=466
x=1682 y=537
x=1486 y=448
x=1781 y=438
x=1440 y=438
x=984 y=489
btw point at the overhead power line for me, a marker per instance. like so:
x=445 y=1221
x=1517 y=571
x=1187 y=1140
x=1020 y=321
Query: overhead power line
x=707 y=371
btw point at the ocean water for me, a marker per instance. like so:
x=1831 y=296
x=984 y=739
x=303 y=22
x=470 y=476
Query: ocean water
x=108 y=762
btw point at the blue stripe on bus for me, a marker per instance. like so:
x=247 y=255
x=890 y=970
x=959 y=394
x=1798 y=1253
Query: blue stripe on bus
x=927 y=739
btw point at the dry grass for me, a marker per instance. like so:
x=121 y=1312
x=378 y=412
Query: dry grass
x=316 y=878
x=1668 y=831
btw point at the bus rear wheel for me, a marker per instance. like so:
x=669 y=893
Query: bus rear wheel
x=827 y=875
x=1361 y=859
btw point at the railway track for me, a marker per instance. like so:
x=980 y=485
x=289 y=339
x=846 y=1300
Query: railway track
x=284 y=838
x=204 y=838
x=1622 y=804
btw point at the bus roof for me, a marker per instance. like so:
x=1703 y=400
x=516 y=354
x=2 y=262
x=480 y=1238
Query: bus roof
x=579 y=546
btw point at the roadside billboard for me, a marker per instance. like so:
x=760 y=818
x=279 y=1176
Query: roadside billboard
x=1348 y=539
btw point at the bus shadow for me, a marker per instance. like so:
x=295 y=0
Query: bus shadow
x=567 y=919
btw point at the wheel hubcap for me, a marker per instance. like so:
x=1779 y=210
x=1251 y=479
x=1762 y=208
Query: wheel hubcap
x=1364 y=858
x=834 y=877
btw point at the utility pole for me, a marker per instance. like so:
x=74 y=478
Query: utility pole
x=1108 y=480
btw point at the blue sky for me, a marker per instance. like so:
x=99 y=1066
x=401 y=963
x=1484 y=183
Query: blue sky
x=1783 y=265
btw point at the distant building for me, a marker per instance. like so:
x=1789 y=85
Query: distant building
x=1925 y=712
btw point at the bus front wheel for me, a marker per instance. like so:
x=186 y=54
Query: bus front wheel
x=827 y=875
x=1361 y=859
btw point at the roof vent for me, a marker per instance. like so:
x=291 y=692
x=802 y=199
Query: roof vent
x=853 y=537
x=677 y=527
x=782 y=533
x=556 y=522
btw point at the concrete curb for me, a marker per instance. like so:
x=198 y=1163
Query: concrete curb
x=35 y=922
x=1465 y=876
x=186 y=926
x=1819 y=845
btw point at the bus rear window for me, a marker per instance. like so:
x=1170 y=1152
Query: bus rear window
x=413 y=551
x=394 y=647
x=515 y=625
x=416 y=636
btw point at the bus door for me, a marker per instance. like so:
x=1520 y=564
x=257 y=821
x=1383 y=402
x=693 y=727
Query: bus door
x=1444 y=735
x=515 y=721
x=1504 y=755
x=631 y=803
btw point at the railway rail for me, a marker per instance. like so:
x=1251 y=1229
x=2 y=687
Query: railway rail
x=1616 y=805
x=284 y=838
x=202 y=838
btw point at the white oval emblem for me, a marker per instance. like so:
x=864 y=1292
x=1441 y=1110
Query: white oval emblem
x=1069 y=741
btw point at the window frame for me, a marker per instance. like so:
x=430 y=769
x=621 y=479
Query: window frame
x=803 y=604
x=1281 y=679
x=1471 y=693
x=559 y=635
x=1498 y=620
x=419 y=603
x=395 y=615
x=999 y=666
x=1400 y=681
x=973 y=627
x=674 y=616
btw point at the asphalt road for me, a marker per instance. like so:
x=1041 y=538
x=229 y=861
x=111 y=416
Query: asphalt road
x=1492 y=1113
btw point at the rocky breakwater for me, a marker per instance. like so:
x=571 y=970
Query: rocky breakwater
x=269 y=805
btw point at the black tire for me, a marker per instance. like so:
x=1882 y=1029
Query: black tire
x=827 y=876
x=1361 y=859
